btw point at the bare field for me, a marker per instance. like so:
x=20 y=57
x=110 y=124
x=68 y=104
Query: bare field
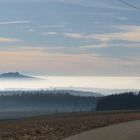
x=57 y=127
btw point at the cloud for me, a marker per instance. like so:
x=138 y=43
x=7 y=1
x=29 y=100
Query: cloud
x=89 y=3
x=130 y=34
x=50 y=33
x=122 y=18
x=74 y=35
x=60 y=63
x=48 y=26
x=6 y=40
x=94 y=46
x=123 y=42
x=52 y=26
x=127 y=33
x=69 y=35
x=32 y=30
x=14 y=22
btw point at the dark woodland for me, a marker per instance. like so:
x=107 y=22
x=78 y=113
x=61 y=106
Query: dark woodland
x=124 y=101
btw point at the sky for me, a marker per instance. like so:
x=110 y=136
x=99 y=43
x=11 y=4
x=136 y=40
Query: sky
x=63 y=37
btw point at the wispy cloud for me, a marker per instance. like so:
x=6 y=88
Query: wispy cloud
x=52 y=26
x=122 y=18
x=32 y=30
x=127 y=33
x=6 y=40
x=53 y=62
x=50 y=33
x=74 y=35
x=13 y=22
x=68 y=35
x=94 y=46
x=131 y=33
x=100 y=4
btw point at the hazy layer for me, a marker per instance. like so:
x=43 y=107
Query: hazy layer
x=73 y=81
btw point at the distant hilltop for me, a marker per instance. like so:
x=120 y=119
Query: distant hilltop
x=16 y=76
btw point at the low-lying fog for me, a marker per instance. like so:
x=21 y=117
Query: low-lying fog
x=81 y=82
x=95 y=84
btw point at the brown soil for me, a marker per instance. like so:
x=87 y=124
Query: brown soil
x=57 y=127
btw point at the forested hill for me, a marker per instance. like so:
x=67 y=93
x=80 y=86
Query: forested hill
x=16 y=76
x=125 y=101
x=43 y=101
x=52 y=101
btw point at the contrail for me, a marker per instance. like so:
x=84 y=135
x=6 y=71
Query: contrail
x=130 y=5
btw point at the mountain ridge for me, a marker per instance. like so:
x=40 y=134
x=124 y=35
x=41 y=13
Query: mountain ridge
x=16 y=76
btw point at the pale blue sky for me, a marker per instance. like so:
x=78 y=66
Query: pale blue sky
x=77 y=37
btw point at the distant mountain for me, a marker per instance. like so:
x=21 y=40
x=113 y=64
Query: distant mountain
x=84 y=93
x=101 y=91
x=16 y=76
x=78 y=92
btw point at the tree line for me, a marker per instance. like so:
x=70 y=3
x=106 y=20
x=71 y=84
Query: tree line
x=57 y=101
x=48 y=101
x=123 y=101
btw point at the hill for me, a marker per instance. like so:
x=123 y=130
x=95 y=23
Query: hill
x=79 y=92
x=16 y=76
